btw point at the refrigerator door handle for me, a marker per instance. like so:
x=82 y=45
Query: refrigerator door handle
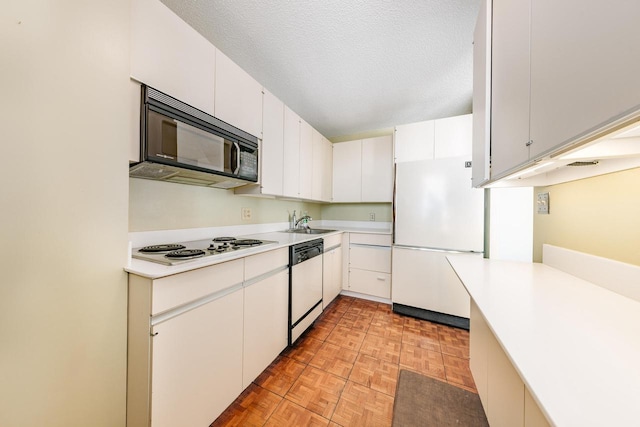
x=424 y=248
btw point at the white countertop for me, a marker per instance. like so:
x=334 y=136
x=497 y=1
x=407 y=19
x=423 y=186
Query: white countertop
x=575 y=345
x=256 y=231
x=154 y=270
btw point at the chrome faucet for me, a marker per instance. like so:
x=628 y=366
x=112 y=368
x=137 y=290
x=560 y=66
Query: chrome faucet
x=304 y=220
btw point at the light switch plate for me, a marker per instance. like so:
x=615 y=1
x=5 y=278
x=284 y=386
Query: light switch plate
x=543 y=203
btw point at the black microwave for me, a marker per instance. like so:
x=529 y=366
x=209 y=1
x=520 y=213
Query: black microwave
x=179 y=143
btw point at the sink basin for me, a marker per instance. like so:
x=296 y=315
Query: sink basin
x=309 y=231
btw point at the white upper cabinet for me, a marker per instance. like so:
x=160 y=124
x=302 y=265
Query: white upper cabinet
x=510 y=85
x=377 y=169
x=327 y=178
x=414 y=141
x=585 y=68
x=347 y=171
x=482 y=95
x=453 y=136
x=291 y=156
x=306 y=160
x=363 y=170
x=238 y=99
x=322 y=168
x=169 y=55
x=560 y=73
x=272 y=149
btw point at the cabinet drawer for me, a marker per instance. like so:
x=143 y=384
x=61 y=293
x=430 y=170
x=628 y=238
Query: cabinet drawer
x=370 y=282
x=173 y=291
x=371 y=239
x=256 y=265
x=332 y=241
x=374 y=258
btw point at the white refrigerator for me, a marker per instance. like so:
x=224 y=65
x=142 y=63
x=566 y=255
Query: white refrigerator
x=437 y=213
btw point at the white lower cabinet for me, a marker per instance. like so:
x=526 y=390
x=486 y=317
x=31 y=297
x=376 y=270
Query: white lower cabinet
x=370 y=264
x=506 y=400
x=370 y=282
x=266 y=299
x=197 y=339
x=331 y=269
x=197 y=363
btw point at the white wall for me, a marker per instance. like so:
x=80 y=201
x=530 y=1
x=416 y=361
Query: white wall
x=511 y=224
x=63 y=222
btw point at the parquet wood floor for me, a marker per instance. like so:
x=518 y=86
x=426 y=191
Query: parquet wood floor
x=343 y=371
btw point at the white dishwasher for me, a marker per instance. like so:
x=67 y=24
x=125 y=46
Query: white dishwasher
x=305 y=286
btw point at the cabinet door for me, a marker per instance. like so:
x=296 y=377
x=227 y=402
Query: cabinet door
x=453 y=136
x=482 y=95
x=291 y=170
x=414 y=141
x=265 y=324
x=584 y=68
x=327 y=177
x=373 y=258
x=164 y=49
x=505 y=389
x=479 y=335
x=347 y=171
x=272 y=149
x=370 y=282
x=318 y=168
x=424 y=279
x=510 y=85
x=331 y=275
x=197 y=363
x=238 y=96
x=306 y=159
x=377 y=169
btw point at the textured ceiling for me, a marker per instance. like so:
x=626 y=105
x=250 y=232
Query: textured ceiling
x=348 y=66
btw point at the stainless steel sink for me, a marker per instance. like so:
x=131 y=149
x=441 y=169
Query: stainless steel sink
x=308 y=231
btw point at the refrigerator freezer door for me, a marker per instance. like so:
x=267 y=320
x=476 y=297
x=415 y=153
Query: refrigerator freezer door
x=436 y=207
x=424 y=279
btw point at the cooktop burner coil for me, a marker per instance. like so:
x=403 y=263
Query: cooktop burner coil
x=161 y=248
x=186 y=254
x=224 y=239
x=247 y=242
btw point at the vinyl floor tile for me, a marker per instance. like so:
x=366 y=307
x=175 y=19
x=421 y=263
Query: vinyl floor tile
x=304 y=349
x=423 y=361
x=362 y=406
x=252 y=408
x=381 y=347
x=290 y=414
x=334 y=359
x=280 y=375
x=317 y=391
x=346 y=337
x=376 y=374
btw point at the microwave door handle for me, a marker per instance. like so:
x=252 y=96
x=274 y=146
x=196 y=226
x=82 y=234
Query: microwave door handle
x=235 y=171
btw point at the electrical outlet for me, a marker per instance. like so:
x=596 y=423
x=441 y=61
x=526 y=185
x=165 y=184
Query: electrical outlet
x=246 y=214
x=372 y=216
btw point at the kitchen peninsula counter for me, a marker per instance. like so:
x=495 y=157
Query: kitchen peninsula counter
x=574 y=344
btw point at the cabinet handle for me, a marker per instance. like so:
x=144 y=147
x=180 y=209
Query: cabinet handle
x=153 y=335
x=529 y=142
x=380 y=278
